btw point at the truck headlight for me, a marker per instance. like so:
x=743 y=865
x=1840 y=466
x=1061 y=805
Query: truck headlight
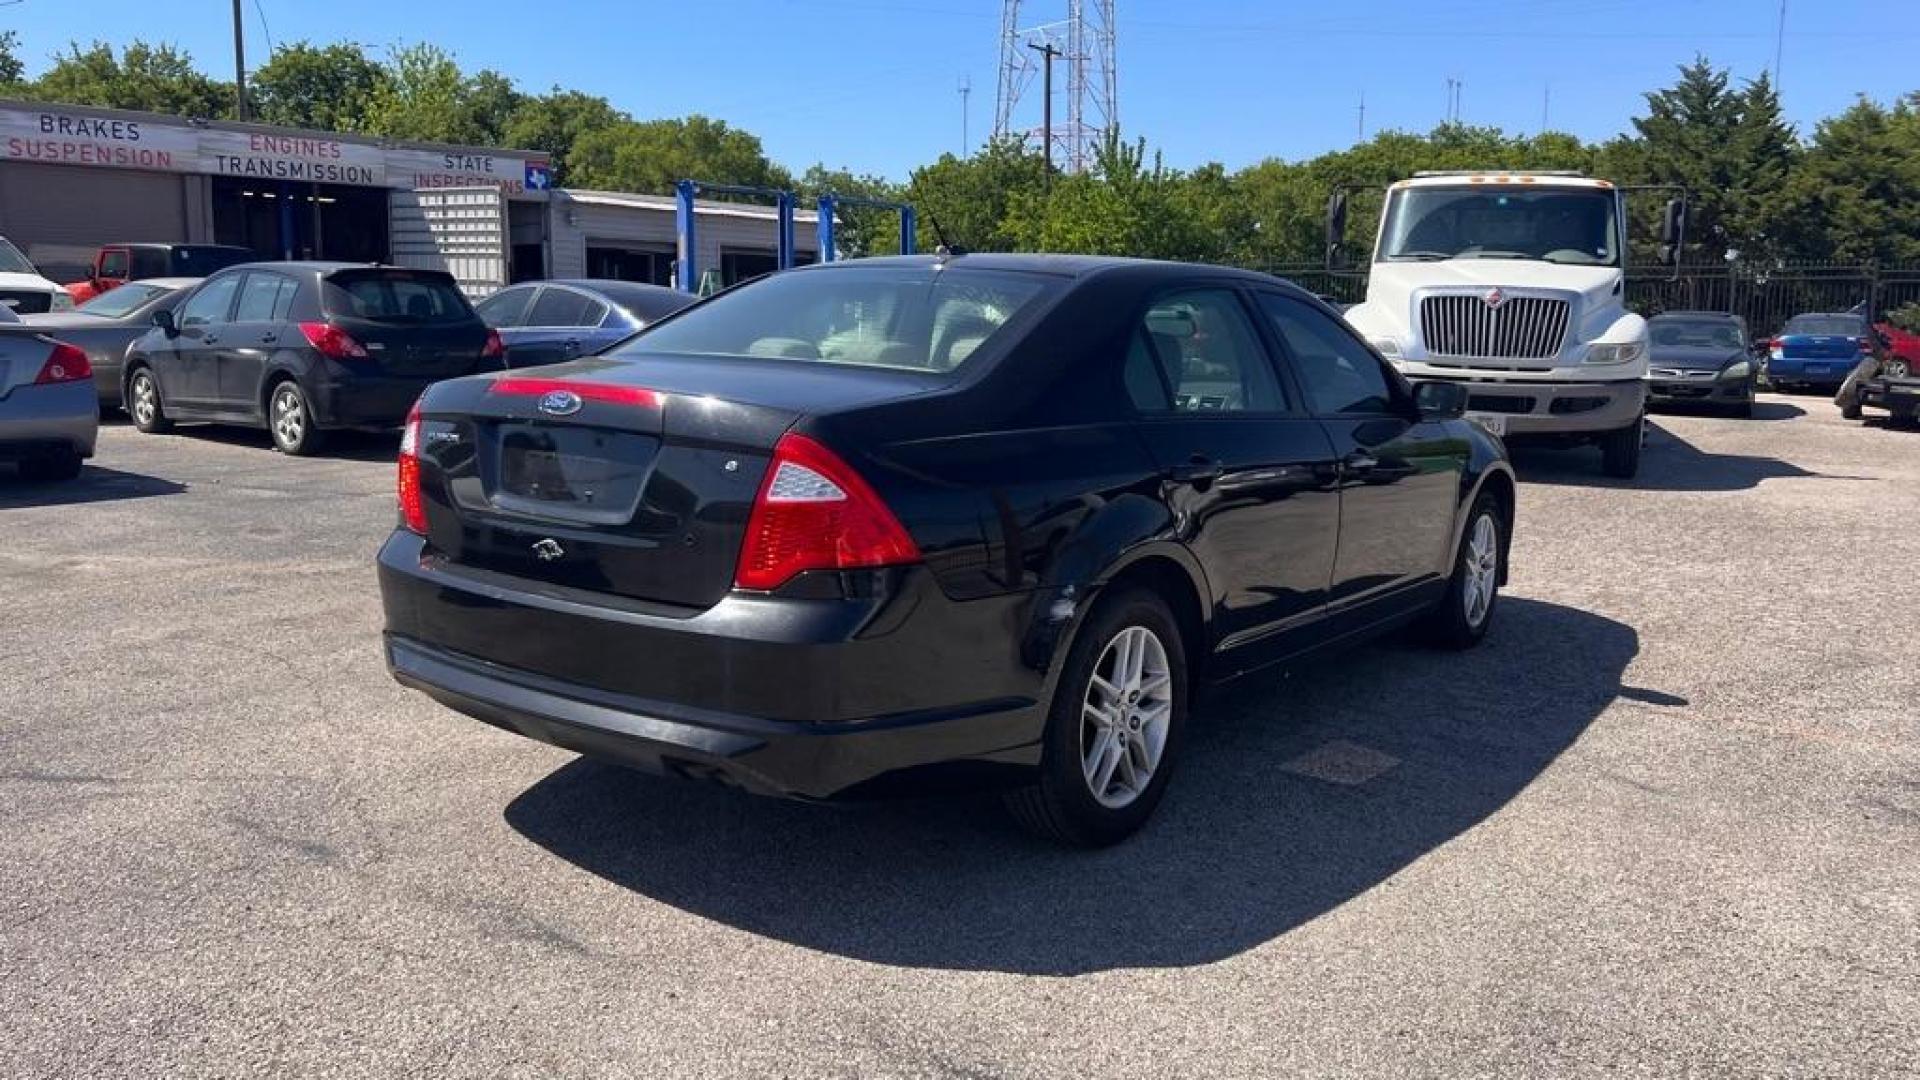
x=1623 y=353
x=1387 y=347
x=62 y=301
x=1739 y=369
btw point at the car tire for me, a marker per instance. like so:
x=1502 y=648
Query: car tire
x=1898 y=369
x=1466 y=610
x=1104 y=728
x=1620 y=450
x=290 y=420
x=142 y=401
x=51 y=468
x=1850 y=410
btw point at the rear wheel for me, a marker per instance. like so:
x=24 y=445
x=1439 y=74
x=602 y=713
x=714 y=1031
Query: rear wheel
x=143 y=402
x=291 y=420
x=1114 y=728
x=1899 y=368
x=1465 y=612
x=1620 y=450
x=50 y=468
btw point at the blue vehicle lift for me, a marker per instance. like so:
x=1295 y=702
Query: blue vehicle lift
x=829 y=203
x=686 y=276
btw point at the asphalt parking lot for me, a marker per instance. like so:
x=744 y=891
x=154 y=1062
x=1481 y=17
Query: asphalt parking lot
x=1665 y=822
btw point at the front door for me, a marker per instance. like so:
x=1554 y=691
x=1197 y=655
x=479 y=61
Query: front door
x=1247 y=473
x=189 y=371
x=1400 y=477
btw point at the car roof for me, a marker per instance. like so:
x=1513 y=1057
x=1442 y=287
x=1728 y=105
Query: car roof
x=170 y=282
x=1698 y=315
x=1829 y=315
x=322 y=266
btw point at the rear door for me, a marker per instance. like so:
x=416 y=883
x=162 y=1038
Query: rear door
x=1243 y=464
x=188 y=364
x=414 y=324
x=258 y=330
x=1399 y=476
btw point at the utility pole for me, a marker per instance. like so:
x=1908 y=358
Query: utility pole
x=1779 y=39
x=239 y=64
x=966 y=88
x=1360 y=129
x=1047 y=53
x=1546 y=106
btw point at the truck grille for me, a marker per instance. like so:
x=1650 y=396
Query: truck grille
x=1522 y=328
x=26 y=303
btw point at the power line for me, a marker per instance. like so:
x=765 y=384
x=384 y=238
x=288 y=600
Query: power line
x=1779 y=40
x=966 y=88
x=265 y=30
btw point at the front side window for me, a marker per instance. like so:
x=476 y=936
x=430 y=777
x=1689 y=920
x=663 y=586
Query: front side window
x=211 y=303
x=1339 y=374
x=910 y=318
x=1573 y=226
x=1195 y=351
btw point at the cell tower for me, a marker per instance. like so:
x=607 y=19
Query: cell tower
x=1084 y=39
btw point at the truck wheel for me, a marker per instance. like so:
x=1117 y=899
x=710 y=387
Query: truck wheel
x=1898 y=369
x=1620 y=450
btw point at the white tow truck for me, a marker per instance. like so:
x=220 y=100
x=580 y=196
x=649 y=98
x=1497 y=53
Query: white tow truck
x=1514 y=283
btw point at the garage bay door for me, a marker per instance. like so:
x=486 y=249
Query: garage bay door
x=58 y=214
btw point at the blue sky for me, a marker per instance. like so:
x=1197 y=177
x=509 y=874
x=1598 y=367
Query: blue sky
x=872 y=84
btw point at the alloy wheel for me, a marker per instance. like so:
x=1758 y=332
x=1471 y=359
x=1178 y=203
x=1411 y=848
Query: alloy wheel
x=1482 y=569
x=289 y=416
x=145 y=401
x=1125 y=717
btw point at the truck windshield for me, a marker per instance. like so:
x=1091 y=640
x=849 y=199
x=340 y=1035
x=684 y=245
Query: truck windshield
x=11 y=261
x=1561 y=225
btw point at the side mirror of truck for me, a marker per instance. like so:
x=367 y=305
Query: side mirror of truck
x=1439 y=400
x=1673 y=231
x=1336 y=233
x=164 y=320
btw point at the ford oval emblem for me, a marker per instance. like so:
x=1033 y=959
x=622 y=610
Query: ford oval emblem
x=559 y=403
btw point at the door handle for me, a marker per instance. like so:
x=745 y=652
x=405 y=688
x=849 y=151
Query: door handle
x=210 y=339
x=571 y=345
x=1199 y=472
x=268 y=339
x=1359 y=463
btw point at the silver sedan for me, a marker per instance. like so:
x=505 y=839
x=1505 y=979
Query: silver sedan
x=49 y=412
x=106 y=325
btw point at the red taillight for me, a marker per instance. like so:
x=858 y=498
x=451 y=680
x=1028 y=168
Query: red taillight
x=66 y=364
x=495 y=349
x=815 y=513
x=333 y=342
x=612 y=393
x=413 y=505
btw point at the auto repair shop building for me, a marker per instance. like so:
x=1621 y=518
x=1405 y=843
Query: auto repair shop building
x=74 y=177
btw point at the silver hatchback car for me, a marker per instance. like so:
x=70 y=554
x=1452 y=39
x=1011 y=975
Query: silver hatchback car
x=49 y=411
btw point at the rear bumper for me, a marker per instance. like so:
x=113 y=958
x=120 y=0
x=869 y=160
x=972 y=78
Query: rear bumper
x=803 y=698
x=1790 y=371
x=1893 y=395
x=38 y=420
x=1552 y=408
x=366 y=401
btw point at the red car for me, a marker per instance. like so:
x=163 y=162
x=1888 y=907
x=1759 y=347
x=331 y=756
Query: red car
x=116 y=264
x=1902 y=350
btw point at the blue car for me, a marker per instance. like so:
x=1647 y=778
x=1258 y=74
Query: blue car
x=1816 y=351
x=550 y=322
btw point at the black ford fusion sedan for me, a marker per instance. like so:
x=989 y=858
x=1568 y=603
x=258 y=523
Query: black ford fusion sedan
x=877 y=525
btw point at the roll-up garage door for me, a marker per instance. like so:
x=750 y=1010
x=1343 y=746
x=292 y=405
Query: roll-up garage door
x=58 y=214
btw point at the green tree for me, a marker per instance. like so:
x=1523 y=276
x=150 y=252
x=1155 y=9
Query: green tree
x=426 y=96
x=555 y=121
x=153 y=78
x=12 y=71
x=861 y=230
x=652 y=155
x=969 y=197
x=330 y=88
x=1856 y=194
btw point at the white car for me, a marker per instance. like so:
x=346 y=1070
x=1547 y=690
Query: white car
x=23 y=290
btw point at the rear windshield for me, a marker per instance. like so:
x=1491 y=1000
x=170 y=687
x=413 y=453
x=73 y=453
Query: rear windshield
x=911 y=318
x=1826 y=325
x=201 y=261
x=396 y=296
x=116 y=302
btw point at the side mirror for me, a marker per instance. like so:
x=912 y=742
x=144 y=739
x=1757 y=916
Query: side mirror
x=1336 y=231
x=1440 y=400
x=1673 y=231
x=164 y=320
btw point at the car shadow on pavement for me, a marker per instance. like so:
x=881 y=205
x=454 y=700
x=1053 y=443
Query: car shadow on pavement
x=94 y=484
x=1667 y=463
x=341 y=445
x=1296 y=795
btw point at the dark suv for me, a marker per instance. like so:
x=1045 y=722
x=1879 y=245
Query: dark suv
x=302 y=347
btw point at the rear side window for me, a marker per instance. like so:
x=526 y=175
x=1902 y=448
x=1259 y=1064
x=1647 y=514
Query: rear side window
x=113 y=263
x=909 y=318
x=561 y=307
x=264 y=298
x=505 y=309
x=1198 y=350
x=395 y=296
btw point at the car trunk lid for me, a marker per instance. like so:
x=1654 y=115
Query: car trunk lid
x=633 y=479
x=1819 y=347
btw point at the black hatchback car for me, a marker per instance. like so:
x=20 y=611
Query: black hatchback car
x=880 y=524
x=300 y=348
